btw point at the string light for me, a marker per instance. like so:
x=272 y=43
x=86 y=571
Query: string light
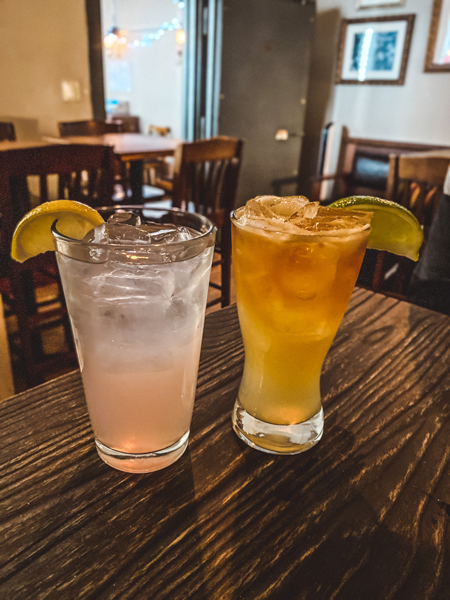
x=117 y=39
x=180 y=37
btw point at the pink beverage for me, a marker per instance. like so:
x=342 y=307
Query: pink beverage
x=125 y=415
x=136 y=295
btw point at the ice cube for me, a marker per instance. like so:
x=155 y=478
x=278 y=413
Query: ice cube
x=274 y=207
x=123 y=216
x=121 y=233
x=114 y=232
x=296 y=215
x=124 y=227
x=165 y=234
x=310 y=210
x=334 y=219
x=98 y=235
x=303 y=217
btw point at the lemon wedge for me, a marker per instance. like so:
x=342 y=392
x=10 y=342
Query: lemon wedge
x=393 y=227
x=33 y=235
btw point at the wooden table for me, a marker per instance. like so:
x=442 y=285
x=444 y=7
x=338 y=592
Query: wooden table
x=364 y=515
x=17 y=145
x=129 y=147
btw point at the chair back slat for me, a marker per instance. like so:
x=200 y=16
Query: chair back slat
x=200 y=189
x=43 y=188
x=7 y=131
x=61 y=185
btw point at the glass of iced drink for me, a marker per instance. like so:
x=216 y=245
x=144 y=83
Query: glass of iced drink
x=295 y=268
x=136 y=290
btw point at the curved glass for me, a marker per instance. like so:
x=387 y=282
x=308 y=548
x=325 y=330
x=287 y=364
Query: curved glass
x=292 y=292
x=137 y=313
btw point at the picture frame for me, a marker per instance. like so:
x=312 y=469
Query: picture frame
x=437 y=58
x=374 y=50
x=378 y=3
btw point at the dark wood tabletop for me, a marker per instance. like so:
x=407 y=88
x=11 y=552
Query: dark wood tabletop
x=363 y=515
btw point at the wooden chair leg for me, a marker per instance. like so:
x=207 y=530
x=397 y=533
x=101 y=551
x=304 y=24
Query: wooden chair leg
x=226 y=266
x=26 y=335
x=377 y=280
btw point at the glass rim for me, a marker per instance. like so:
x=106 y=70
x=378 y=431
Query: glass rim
x=211 y=228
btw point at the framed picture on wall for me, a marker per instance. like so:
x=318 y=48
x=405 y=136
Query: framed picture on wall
x=374 y=3
x=374 y=50
x=438 y=50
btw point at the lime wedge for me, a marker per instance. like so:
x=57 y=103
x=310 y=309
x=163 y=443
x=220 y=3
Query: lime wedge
x=33 y=235
x=393 y=227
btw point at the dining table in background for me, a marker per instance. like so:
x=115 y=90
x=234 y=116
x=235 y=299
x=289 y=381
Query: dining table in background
x=18 y=144
x=132 y=148
x=364 y=514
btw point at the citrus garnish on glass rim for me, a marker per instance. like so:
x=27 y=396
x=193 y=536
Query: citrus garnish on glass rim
x=393 y=227
x=33 y=236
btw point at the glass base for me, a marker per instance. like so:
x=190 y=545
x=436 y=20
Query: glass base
x=143 y=463
x=277 y=439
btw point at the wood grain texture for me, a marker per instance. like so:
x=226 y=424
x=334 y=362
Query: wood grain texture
x=363 y=515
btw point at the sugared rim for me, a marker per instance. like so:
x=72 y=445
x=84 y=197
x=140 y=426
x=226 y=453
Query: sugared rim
x=133 y=207
x=302 y=233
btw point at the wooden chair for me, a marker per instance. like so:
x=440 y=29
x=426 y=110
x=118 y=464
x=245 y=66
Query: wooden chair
x=7 y=132
x=81 y=172
x=90 y=127
x=157 y=130
x=95 y=128
x=158 y=172
x=128 y=123
x=205 y=181
x=416 y=183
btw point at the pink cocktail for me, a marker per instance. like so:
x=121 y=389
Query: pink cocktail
x=137 y=310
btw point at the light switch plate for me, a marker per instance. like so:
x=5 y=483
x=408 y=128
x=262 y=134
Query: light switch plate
x=71 y=91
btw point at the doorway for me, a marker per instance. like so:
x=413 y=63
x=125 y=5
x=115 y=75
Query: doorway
x=241 y=71
x=140 y=48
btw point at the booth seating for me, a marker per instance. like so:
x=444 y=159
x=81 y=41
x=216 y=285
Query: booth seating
x=365 y=168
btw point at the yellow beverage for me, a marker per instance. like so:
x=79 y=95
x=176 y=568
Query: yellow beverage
x=294 y=277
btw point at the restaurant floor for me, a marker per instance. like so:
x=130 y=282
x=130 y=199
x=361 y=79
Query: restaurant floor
x=53 y=340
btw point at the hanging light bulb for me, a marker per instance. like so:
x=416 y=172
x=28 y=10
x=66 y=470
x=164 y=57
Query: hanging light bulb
x=111 y=37
x=180 y=37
